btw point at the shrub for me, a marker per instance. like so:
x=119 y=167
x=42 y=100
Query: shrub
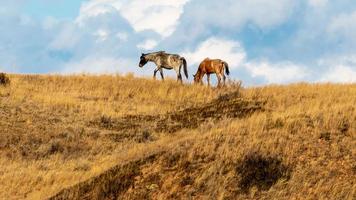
x=4 y=80
x=260 y=171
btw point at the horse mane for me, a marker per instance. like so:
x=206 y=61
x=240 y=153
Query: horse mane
x=154 y=53
x=198 y=74
x=159 y=52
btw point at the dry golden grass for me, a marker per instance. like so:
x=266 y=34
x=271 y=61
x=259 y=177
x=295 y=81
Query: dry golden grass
x=293 y=142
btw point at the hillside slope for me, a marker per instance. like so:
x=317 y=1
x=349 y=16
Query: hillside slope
x=112 y=137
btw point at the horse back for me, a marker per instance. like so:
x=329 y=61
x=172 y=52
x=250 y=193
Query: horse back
x=168 y=60
x=211 y=65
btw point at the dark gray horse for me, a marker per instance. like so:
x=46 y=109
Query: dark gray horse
x=164 y=60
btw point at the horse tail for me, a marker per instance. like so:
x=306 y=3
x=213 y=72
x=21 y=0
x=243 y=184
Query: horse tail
x=226 y=68
x=185 y=66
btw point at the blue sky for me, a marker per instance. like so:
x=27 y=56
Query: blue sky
x=280 y=41
x=63 y=9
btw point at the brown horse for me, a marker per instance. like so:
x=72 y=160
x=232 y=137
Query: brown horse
x=210 y=66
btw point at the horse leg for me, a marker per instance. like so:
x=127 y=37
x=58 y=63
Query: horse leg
x=179 y=76
x=161 y=72
x=201 y=78
x=224 y=78
x=208 y=79
x=219 y=79
x=154 y=73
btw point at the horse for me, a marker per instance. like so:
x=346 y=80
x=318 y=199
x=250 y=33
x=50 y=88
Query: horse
x=164 y=60
x=210 y=66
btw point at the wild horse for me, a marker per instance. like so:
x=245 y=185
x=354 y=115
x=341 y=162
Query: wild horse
x=210 y=66
x=164 y=60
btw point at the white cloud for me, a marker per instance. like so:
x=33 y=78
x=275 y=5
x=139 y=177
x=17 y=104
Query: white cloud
x=341 y=69
x=343 y=26
x=235 y=13
x=266 y=13
x=158 y=15
x=98 y=65
x=228 y=50
x=209 y=18
x=318 y=3
x=50 y=23
x=123 y=36
x=94 y=8
x=10 y=6
x=283 y=72
x=102 y=35
x=340 y=74
x=147 y=45
x=67 y=38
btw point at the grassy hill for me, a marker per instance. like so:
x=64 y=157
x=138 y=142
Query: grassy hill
x=113 y=137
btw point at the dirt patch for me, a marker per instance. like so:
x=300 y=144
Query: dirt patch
x=172 y=175
x=169 y=176
x=109 y=185
x=140 y=136
x=344 y=126
x=217 y=110
x=325 y=136
x=4 y=79
x=227 y=106
x=260 y=171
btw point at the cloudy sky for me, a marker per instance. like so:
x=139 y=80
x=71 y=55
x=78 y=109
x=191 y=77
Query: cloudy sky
x=264 y=41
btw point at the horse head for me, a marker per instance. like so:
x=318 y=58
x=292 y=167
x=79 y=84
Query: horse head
x=196 y=78
x=143 y=60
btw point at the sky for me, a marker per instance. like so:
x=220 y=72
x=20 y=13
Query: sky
x=264 y=41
